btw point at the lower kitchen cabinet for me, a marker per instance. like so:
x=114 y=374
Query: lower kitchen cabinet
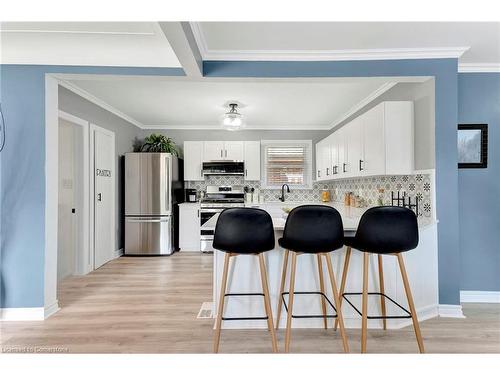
x=189 y=227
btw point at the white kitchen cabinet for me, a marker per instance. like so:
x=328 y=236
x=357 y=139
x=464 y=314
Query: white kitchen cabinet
x=252 y=160
x=189 y=227
x=234 y=150
x=193 y=159
x=213 y=150
x=354 y=139
x=379 y=142
x=373 y=163
x=220 y=150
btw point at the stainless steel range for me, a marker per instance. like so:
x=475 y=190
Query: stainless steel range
x=216 y=200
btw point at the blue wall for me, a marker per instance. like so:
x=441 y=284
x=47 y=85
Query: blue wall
x=23 y=160
x=445 y=73
x=22 y=209
x=479 y=189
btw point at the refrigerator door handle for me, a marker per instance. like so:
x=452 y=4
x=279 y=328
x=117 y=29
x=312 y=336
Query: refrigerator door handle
x=140 y=220
x=168 y=182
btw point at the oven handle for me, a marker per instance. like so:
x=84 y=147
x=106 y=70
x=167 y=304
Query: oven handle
x=214 y=211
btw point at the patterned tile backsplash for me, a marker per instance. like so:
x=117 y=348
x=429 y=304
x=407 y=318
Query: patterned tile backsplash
x=418 y=185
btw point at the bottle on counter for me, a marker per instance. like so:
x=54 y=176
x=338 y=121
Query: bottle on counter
x=325 y=195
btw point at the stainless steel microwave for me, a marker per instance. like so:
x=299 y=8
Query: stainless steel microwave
x=232 y=168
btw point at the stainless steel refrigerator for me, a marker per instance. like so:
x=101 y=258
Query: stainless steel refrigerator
x=153 y=188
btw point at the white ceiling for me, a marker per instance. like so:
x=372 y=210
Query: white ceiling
x=182 y=103
x=139 y=44
x=347 y=40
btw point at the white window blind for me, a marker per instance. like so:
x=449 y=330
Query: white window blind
x=286 y=162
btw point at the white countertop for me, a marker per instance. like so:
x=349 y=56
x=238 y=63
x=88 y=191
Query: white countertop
x=350 y=215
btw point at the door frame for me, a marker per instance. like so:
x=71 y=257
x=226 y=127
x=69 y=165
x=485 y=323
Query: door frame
x=93 y=129
x=83 y=265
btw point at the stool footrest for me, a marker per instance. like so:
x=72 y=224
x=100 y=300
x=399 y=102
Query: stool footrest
x=310 y=316
x=245 y=317
x=380 y=316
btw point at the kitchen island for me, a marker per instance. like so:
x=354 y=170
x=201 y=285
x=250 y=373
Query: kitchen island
x=421 y=264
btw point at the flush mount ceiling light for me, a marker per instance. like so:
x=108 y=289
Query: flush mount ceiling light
x=233 y=120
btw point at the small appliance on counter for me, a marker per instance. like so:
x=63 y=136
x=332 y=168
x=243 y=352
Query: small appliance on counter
x=191 y=195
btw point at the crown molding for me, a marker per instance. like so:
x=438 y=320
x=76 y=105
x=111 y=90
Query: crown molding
x=99 y=102
x=333 y=55
x=248 y=127
x=361 y=104
x=479 y=68
x=199 y=38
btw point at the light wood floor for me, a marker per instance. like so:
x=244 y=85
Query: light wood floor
x=149 y=305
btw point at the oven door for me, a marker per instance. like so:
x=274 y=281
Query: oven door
x=207 y=214
x=206 y=240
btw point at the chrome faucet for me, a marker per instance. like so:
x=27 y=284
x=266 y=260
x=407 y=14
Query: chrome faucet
x=282 y=198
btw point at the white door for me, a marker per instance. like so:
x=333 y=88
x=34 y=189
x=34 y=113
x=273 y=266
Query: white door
x=104 y=195
x=66 y=240
x=234 y=150
x=252 y=161
x=193 y=159
x=373 y=142
x=213 y=150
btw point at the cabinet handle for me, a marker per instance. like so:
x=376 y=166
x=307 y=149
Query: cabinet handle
x=319 y=175
x=327 y=169
x=201 y=172
x=198 y=213
x=360 y=167
x=343 y=167
x=246 y=172
x=225 y=153
x=221 y=153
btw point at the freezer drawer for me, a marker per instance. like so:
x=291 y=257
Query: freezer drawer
x=148 y=236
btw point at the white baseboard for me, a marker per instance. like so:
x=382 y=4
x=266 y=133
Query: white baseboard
x=478 y=296
x=451 y=311
x=118 y=253
x=52 y=309
x=22 y=313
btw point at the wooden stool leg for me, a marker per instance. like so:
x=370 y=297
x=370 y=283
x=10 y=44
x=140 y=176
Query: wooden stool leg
x=282 y=287
x=382 y=289
x=343 y=280
x=267 y=302
x=220 y=311
x=409 y=297
x=322 y=288
x=290 y=302
x=337 y=303
x=364 y=309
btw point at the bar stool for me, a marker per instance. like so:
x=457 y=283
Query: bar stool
x=317 y=230
x=383 y=231
x=244 y=231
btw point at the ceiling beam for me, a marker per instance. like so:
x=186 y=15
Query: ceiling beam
x=181 y=39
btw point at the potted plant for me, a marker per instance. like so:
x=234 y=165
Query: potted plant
x=159 y=143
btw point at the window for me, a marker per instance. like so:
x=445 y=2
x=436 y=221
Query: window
x=286 y=162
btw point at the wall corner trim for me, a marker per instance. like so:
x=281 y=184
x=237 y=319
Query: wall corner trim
x=451 y=311
x=479 y=296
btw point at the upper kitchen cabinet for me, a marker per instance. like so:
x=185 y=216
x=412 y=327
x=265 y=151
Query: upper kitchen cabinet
x=193 y=159
x=379 y=142
x=252 y=160
x=213 y=150
x=220 y=150
x=197 y=152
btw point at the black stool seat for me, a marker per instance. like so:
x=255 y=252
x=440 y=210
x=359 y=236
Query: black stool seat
x=385 y=230
x=244 y=231
x=313 y=229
